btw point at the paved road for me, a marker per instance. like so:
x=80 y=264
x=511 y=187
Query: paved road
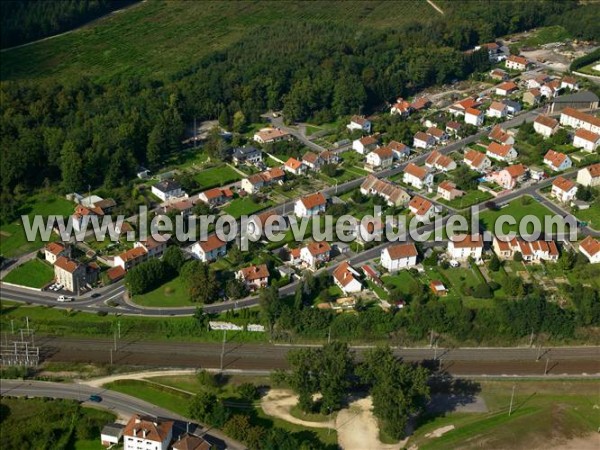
x=116 y=402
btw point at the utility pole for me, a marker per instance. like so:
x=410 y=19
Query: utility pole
x=546 y=369
x=329 y=336
x=111 y=356
x=119 y=328
x=531 y=339
x=12 y=326
x=538 y=352
x=195 y=133
x=435 y=352
x=115 y=339
x=27 y=320
x=431 y=339
x=223 y=348
x=511 y=399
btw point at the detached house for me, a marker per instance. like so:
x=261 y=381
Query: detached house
x=501 y=136
x=346 y=278
x=365 y=144
x=147 y=433
x=564 y=190
x=586 y=140
x=191 y=442
x=210 y=249
x=590 y=248
x=254 y=277
x=514 y=62
x=437 y=161
x=216 y=196
x=270 y=135
x=509 y=177
x=399 y=256
x=438 y=135
x=512 y=107
x=423 y=140
x=416 y=176
x=497 y=109
x=380 y=159
x=531 y=251
x=453 y=128
x=463 y=246
x=448 y=191
x=569 y=83
x=315 y=254
x=401 y=151
x=329 y=157
x=54 y=250
x=167 y=189
x=499 y=75
x=247 y=155
x=359 y=123
x=294 y=166
x=312 y=161
x=310 y=205
x=131 y=258
x=532 y=97
x=393 y=195
x=422 y=208
x=459 y=108
x=474 y=117
x=401 y=107
x=73 y=275
x=546 y=126
x=506 y=88
x=501 y=152
x=477 y=161
x=550 y=89
x=589 y=176
x=557 y=161
x=155 y=248
x=421 y=103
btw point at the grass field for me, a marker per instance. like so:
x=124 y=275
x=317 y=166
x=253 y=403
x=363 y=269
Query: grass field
x=518 y=210
x=170 y=399
x=245 y=206
x=145 y=40
x=470 y=198
x=34 y=273
x=217 y=176
x=545 y=35
x=590 y=215
x=170 y=294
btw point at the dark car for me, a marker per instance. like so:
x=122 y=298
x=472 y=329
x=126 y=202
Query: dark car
x=95 y=398
x=96 y=295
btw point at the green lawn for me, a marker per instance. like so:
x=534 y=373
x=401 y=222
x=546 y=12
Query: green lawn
x=35 y=273
x=217 y=176
x=403 y=281
x=245 y=206
x=164 y=397
x=470 y=198
x=546 y=35
x=590 y=215
x=171 y=294
x=518 y=210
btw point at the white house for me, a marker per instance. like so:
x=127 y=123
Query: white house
x=294 y=166
x=401 y=107
x=416 y=176
x=423 y=140
x=510 y=176
x=590 y=248
x=53 y=250
x=191 y=442
x=557 y=161
x=589 y=176
x=544 y=125
x=167 y=189
x=514 y=62
x=501 y=152
x=448 y=191
x=438 y=134
x=550 y=89
x=209 y=250
x=506 y=88
x=145 y=433
x=346 y=278
x=312 y=160
x=437 y=161
x=422 y=208
x=564 y=190
x=578 y=119
x=463 y=246
x=393 y=195
x=131 y=258
x=534 y=251
x=477 y=161
x=501 y=136
x=401 y=151
x=311 y=205
x=315 y=254
x=380 y=159
x=569 y=83
x=365 y=144
x=269 y=135
x=359 y=123
x=399 y=256
x=497 y=109
x=254 y=277
x=474 y=117
x=586 y=140
x=111 y=434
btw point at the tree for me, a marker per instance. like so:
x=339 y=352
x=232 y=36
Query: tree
x=304 y=376
x=270 y=306
x=518 y=257
x=494 y=264
x=157 y=143
x=235 y=288
x=482 y=290
x=145 y=276
x=207 y=408
x=336 y=369
x=329 y=169
x=224 y=118
x=173 y=259
x=71 y=167
x=239 y=122
x=248 y=391
x=202 y=283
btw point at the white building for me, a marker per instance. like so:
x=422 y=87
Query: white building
x=557 y=161
x=514 y=62
x=498 y=110
x=53 y=250
x=501 y=152
x=379 y=159
x=167 y=189
x=311 y=205
x=365 y=144
x=211 y=249
x=564 y=190
x=315 y=254
x=399 y=256
x=546 y=126
x=147 y=434
x=534 y=251
x=586 y=140
x=440 y=162
x=423 y=140
x=359 y=123
x=269 y=135
x=477 y=161
x=589 y=176
x=422 y=208
x=590 y=248
x=474 y=117
x=463 y=246
x=578 y=119
x=416 y=176
x=401 y=151
x=346 y=278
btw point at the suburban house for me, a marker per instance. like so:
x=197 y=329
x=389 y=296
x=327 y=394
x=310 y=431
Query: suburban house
x=459 y=108
x=564 y=190
x=131 y=258
x=423 y=140
x=550 y=89
x=437 y=161
x=514 y=62
x=506 y=88
x=401 y=151
x=477 y=161
x=310 y=205
x=497 y=109
x=577 y=119
x=53 y=250
x=329 y=157
x=210 y=249
x=315 y=254
x=345 y=277
x=147 y=433
x=73 y=275
x=416 y=176
x=294 y=166
x=453 y=128
x=215 y=196
x=379 y=159
x=501 y=136
x=501 y=152
x=474 y=116
x=83 y=214
x=421 y=103
x=254 y=277
x=512 y=106
x=365 y=144
x=191 y=442
x=532 y=97
x=422 y=208
x=155 y=248
x=589 y=176
x=438 y=135
x=492 y=48
x=393 y=195
x=401 y=107
x=183 y=207
x=570 y=83
x=537 y=81
x=370 y=230
x=270 y=135
x=399 y=256
x=510 y=176
x=359 y=123
x=247 y=155
x=557 y=161
x=544 y=125
x=586 y=140
x=590 y=248
x=531 y=251
x=167 y=189
x=255 y=182
x=499 y=75
x=312 y=161
x=463 y=246
x=448 y=191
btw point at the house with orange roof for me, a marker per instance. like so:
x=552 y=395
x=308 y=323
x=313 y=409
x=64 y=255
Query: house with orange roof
x=545 y=125
x=209 y=249
x=346 y=278
x=53 y=250
x=401 y=108
x=501 y=136
x=312 y=160
x=399 y=256
x=590 y=248
x=254 y=277
x=577 y=119
x=294 y=166
x=532 y=251
x=155 y=246
x=589 y=176
x=532 y=97
x=191 y=442
x=459 y=108
x=379 y=159
x=315 y=254
x=393 y=195
x=501 y=152
x=448 y=190
x=506 y=88
x=270 y=135
x=73 y=275
x=131 y=258
x=563 y=190
x=422 y=208
x=497 y=110
x=417 y=176
x=438 y=288
x=359 y=123
x=557 y=161
x=438 y=134
x=510 y=176
x=423 y=140
x=256 y=182
x=365 y=144
x=440 y=162
x=474 y=116
x=310 y=205
x=401 y=151
x=147 y=433
x=515 y=62
x=551 y=89
x=477 y=161
x=568 y=82
x=464 y=246
x=215 y=196
x=586 y=140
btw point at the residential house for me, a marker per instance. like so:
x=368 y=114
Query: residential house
x=474 y=117
x=536 y=173
x=210 y=249
x=73 y=275
x=422 y=208
x=379 y=159
x=401 y=107
x=557 y=161
x=501 y=152
x=534 y=251
x=346 y=278
x=183 y=207
x=401 y=151
x=577 y=119
x=294 y=166
x=499 y=75
x=423 y=140
x=512 y=107
x=365 y=144
x=510 y=176
x=501 y=136
x=131 y=258
x=399 y=256
x=329 y=157
x=448 y=191
x=514 y=62
x=570 y=83
x=437 y=161
x=537 y=81
x=492 y=48
x=255 y=182
x=550 y=89
x=563 y=189
x=146 y=433
x=464 y=246
x=459 y=108
x=590 y=248
x=544 y=125
x=586 y=140
x=310 y=205
x=506 y=88
x=247 y=155
x=370 y=230
x=393 y=195
x=155 y=246
x=497 y=109
x=82 y=216
x=532 y=97
x=312 y=161
x=53 y=250
x=589 y=176
x=191 y=442
x=270 y=135
x=215 y=196
x=477 y=161
x=419 y=104
x=315 y=254
x=438 y=135
x=416 y=176
x=453 y=128
x=116 y=273
x=359 y=123
x=254 y=277
x=167 y=190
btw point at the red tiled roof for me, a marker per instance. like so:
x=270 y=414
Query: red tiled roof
x=555 y=158
x=55 y=248
x=590 y=245
x=594 y=170
x=499 y=149
x=133 y=253
x=318 y=248
x=587 y=135
x=546 y=121
x=313 y=200
x=474 y=157
x=146 y=428
x=413 y=169
x=400 y=251
x=67 y=264
x=115 y=273
x=420 y=205
x=516 y=170
x=293 y=163
x=592 y=120
x=563 y=184
x=343 y=274
x=507 y=86
x=467 y=241
x=517 y=59
x=473 y=112
x=212 y=243
x=255 y=272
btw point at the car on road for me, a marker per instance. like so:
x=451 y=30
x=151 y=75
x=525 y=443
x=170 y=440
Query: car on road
x=58 y=287
x=95 y=398
x=96 y=295
x=64 y=298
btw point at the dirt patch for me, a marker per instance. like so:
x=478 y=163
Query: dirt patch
x=279 y=402
x=590 y=442
x=439 y=432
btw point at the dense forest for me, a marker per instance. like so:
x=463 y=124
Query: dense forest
x=98 y=132
x=27 y=20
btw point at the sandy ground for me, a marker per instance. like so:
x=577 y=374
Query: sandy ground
x=591 y=442
x=279 y=402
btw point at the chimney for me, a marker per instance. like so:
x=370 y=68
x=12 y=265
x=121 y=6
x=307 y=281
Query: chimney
x=144 y=433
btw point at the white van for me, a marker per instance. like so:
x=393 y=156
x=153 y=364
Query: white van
x=64 y=298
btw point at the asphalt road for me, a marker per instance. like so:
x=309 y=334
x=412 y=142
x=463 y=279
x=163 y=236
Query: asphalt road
x=116 y=402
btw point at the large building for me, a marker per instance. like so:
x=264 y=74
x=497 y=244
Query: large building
x=145 y=433
x=463 y=246
x=399 y=256
x=73 y=275
x=580 y=100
